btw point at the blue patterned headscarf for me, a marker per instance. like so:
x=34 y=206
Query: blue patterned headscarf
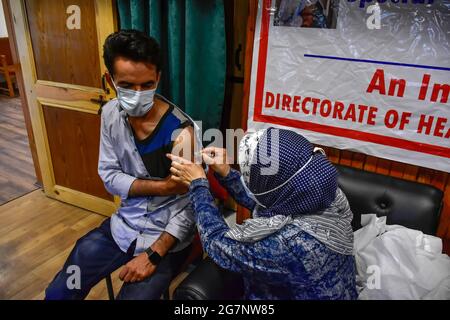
x=270 y=160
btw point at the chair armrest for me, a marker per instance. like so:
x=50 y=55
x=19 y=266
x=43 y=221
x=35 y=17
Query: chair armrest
x=210 y=282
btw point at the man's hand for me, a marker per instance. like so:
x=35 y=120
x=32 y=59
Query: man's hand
x=175 y=186
x=308 y=18
x=137 y=269
x=185 y=171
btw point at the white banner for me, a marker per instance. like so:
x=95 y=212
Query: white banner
x=361 y=75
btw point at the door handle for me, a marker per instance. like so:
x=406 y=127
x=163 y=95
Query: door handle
x=101 y=102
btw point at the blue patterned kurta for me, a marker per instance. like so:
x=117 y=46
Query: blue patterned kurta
x=290 y=264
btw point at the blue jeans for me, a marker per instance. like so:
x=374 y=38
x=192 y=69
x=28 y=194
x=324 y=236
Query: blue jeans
x=97 y=255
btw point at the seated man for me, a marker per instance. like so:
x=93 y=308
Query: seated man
x=152 y=231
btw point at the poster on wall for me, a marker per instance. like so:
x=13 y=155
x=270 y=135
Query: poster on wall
x=371 y=76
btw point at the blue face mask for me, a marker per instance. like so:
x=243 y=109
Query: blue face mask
x=253 y=195
x=135 y=103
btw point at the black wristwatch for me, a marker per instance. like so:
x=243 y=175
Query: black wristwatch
x=153 y=256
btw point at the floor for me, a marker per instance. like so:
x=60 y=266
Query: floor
x=36 y=236
x=17 y=175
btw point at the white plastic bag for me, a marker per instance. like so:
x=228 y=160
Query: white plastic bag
x=394 y=262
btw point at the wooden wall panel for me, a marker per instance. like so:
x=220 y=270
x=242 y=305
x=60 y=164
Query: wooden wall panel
x=5 y=49
x=74 y=139
x=251 y=23
x=243 y=213
x=72 y=57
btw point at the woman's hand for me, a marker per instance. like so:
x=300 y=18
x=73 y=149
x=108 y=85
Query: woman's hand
x=308 y=18
x=185 y=171
x=216 y=159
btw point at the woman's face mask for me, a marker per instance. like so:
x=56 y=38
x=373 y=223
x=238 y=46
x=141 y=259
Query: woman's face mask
x=249 y=193
x=253 y=195
x=135 y=103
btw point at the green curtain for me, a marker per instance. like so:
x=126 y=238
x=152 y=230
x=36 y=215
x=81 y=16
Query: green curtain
x=192 y=37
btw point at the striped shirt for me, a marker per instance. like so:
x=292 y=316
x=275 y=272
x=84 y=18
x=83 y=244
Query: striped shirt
x=331 y=226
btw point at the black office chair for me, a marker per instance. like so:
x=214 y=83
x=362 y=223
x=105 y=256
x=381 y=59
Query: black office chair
x=110 y=288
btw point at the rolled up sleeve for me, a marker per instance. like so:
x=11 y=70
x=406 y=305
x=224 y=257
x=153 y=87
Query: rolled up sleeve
x=181 y=226
x=115 y=180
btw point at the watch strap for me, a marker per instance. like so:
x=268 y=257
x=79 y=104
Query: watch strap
x=153 y=256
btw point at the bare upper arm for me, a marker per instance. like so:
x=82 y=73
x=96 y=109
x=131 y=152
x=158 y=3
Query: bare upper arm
x=183 y=145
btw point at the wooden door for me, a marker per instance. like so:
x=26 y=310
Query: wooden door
x=60 y=47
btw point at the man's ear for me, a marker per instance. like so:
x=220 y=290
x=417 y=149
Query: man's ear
x=159 y=76
x=108 y=78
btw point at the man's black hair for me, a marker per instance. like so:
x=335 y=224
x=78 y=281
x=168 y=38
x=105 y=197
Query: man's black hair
x=133 y=45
